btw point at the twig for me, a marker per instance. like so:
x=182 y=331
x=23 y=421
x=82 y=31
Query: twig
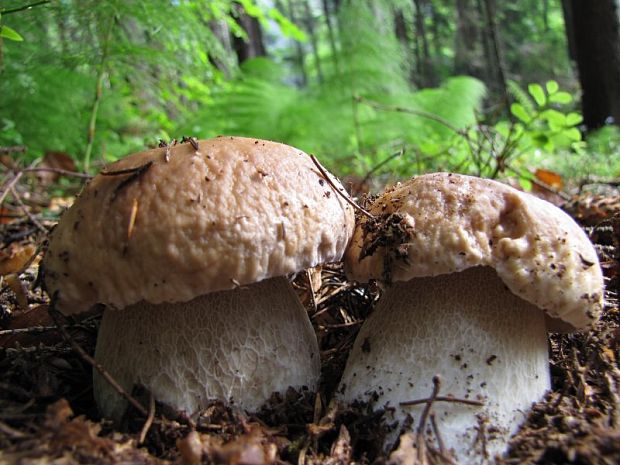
x=9 y=185
x=54 y=314
x=30 y=216
x=442 y=448
x=149 y=419
x=92 y=123
x=424 y=114
x=39 y=329
x=378 y=166
x=24 y=7
x=15 y=148
x=75 y=174
x=311 y=289
x=476 y=403
x=429 y=404
x=333 y=186
x=13 y=181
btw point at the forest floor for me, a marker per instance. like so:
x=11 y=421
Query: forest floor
x=48 y=415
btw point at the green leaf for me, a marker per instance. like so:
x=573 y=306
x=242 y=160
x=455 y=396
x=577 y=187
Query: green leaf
x=561 y=97
x=573 y=134
x=556 y=119
x=540 y=139
x=525 y=184
x=288 y=28
x=573 y=119
x=538 y=93
x=520 y=112
x=11 y=34
x=552 y=87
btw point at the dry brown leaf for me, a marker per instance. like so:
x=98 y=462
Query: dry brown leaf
x=15 y=257
x=19 y=289
x=54 y=160
x=550 y=178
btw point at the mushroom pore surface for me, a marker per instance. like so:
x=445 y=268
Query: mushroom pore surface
x=238 y=345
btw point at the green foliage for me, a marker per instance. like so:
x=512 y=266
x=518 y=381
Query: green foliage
x=166 y=73
x=339 y=118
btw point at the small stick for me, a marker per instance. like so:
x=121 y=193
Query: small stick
x=336 y=190
x=442 y=448
x=378 y=166
x=476 y=403
x=149 y=419
x=30 y=216
x=75 y=174
x=54 y=314
x=35 y=330
x=311 y=289
x=15 y=148
x=429 y=404
x=9 y=185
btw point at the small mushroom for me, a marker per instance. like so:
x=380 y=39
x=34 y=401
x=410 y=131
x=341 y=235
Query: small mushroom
x=468 y=266
x=185 y=246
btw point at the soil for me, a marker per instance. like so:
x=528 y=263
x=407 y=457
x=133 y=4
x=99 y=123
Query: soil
x=48 y=416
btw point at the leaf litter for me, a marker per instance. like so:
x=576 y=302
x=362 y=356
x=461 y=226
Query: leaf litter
x=48 y=415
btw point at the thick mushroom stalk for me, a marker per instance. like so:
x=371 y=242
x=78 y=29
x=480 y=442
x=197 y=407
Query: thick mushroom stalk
x=487 y=344
x=238 y=345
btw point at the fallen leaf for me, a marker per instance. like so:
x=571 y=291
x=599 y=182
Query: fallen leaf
x=15 y=257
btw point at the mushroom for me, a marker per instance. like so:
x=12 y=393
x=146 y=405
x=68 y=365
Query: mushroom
x=189 y=247
x=468 y=265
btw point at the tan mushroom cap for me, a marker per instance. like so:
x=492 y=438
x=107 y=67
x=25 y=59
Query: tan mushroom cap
x=232 y=212
x=455 y=222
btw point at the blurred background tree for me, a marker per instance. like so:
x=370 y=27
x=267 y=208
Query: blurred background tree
x=476 y=86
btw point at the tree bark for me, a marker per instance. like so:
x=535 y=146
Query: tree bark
x=427 y=77
x=254 y=45
x=331 y=34
x=495 y=49
x=299 y=50
x=466 y=59
x=593 y=33
x=309 y=21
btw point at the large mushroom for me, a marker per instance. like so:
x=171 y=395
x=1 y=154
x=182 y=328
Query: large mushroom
x=189 y=248
x=468 y=264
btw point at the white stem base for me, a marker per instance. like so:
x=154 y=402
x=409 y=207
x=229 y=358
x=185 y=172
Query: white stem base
x=484 y=342
x=238 y=346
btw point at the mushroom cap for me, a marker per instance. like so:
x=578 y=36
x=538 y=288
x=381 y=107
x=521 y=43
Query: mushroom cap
x=446 y=223
x=232 y=212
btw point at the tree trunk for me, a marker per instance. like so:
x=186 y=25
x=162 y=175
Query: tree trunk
x=253 y=46
x=309 y=21
x=593 y=33
x=427 y=77
x=299 y=50
x=466 y=59
x=221 y=31
x=495 y=49
x=331 y=34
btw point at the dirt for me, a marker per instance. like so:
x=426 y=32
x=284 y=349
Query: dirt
x=48 y=416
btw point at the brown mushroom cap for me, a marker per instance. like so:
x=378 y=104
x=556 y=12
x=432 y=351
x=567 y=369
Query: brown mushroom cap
x=453 y=222
x=232 y=212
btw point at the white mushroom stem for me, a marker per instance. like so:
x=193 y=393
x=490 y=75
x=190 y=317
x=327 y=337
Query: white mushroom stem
x=239 y=346
x=484 y=342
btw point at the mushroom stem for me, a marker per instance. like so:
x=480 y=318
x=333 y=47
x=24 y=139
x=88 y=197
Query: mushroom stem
x=486 y=344
x=252 y=341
